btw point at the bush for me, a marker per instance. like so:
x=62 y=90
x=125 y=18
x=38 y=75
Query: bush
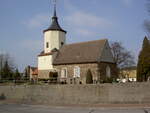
x=19 y=82
x=2 y=96
x=109 y=80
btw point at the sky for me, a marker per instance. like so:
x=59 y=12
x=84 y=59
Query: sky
x=22 y=23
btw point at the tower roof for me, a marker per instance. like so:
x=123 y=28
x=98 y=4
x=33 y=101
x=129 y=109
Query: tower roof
x=54 y=25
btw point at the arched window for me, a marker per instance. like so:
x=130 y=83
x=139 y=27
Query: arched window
x=64 y=73
x=76 y=71
x=108 y=72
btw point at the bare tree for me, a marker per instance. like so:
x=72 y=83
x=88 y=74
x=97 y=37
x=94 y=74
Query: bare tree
x=122 y=57
x=8 y=58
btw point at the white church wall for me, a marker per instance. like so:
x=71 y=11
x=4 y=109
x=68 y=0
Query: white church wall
x=45 y=62
x=54 y=38
x=62 y=38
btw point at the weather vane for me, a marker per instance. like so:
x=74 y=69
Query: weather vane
x=54 y=2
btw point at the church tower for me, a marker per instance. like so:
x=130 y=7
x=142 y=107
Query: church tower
x=54 y=36
x=54 y=39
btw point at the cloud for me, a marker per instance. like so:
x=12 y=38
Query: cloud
x=85 y=23
x=83 y=19
x=85 y=32
x=36 y=21
x=69 y=6
x=127 y=2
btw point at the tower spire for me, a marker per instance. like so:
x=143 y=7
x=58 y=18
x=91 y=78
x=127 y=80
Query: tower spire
x=55 y=25
x=54 y=2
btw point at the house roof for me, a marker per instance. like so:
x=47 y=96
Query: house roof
x=84 y=52
x=45 y=54
x=34 y=70
x=49 y=53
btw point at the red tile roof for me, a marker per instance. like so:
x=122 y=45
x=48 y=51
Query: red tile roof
x=34 y=70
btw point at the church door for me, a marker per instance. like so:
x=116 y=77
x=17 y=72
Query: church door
x=53 y=77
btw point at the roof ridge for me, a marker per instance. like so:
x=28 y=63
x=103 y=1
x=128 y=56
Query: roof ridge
x=105 y=39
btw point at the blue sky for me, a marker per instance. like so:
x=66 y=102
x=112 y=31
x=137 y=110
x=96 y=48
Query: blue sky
x=22 y=23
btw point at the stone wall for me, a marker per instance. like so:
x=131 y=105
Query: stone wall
x=43 y=74
x=113 y=68
x=79 y=94
x=98 y=71
x=83 y=71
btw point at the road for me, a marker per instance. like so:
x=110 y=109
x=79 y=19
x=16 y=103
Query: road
x=22 y=108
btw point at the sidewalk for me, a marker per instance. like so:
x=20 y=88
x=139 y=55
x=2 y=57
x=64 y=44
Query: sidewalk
x=80 y=105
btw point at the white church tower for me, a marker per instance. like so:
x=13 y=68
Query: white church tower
x=54 y=39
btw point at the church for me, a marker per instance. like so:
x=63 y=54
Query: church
x=69 y=63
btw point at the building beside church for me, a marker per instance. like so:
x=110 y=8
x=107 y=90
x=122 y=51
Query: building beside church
x=128 y=74
x=69 y=63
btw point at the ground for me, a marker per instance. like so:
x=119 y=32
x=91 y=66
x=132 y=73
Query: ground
x=24 y=108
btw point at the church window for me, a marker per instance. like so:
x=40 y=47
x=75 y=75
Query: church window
x=64 y=73
x=76 y=71
x=47 y=45
x=62 y=43
x=108 y=72
x=70 y=81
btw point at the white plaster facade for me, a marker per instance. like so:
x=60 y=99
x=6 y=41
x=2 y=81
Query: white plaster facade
x=55 y=39
x=45 y=62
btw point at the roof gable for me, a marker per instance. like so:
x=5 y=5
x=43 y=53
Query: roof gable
x=106 y=55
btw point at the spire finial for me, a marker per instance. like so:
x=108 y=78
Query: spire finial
x=54 y=2
x=54 y=25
